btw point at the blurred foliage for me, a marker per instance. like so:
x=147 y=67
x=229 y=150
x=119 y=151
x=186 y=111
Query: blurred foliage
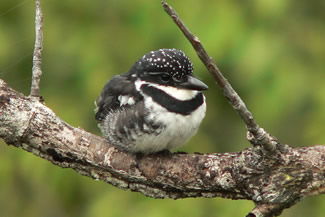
x=271 y=51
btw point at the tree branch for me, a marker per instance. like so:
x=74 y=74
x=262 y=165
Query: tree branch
x=37 y=56
x=274 y=182
x=256 y=135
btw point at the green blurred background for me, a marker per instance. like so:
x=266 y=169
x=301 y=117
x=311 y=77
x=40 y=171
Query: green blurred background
x=271 y=51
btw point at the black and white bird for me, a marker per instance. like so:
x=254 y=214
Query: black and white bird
x=156 y=105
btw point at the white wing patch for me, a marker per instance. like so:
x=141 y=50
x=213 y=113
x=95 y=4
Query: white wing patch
x=126 y=100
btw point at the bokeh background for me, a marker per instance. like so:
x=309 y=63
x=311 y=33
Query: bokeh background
x=272 y=52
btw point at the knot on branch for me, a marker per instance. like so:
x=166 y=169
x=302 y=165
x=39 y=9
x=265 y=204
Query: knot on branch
x=262 y=138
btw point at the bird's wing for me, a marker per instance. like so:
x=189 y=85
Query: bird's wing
x=118 y=92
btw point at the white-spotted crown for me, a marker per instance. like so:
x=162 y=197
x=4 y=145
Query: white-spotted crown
x=172 y=61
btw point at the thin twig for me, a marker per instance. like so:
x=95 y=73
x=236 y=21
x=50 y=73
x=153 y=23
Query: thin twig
x=256 y=134
x=37 y=56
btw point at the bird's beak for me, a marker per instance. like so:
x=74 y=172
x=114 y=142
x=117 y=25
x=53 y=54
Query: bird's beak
x=193 y=83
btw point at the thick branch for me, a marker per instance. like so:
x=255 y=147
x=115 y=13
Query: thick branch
x=278 y=182
x=37 y=56
x=256 y=134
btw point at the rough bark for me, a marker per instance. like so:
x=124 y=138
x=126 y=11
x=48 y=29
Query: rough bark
x=273 y=182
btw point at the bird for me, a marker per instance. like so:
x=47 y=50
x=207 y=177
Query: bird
x=157 y=105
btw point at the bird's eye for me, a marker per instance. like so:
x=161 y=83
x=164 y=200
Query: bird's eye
x=165 y=77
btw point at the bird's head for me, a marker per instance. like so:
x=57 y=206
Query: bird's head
x=168 y=67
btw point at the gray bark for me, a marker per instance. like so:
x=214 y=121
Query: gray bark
x=273 y=181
